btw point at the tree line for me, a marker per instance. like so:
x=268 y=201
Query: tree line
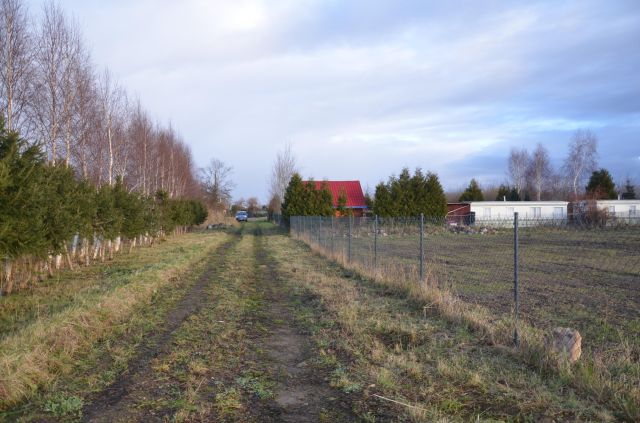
x=410 y=195
x=47 y=214
x=84 y=170
x=302 y=198
x=53 y=94
x=531 y=176
x=405 y=195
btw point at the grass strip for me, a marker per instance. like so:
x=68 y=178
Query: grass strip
x=34 y=356
x=423 y=357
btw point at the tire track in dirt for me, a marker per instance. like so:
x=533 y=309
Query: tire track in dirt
x=302 y=393
x=115 y=402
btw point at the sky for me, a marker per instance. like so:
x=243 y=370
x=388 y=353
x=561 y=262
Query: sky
x=363 y=88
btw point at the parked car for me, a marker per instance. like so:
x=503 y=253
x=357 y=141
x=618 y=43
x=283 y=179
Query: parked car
x=242 y=216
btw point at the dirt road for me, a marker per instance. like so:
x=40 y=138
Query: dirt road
x=230 y=350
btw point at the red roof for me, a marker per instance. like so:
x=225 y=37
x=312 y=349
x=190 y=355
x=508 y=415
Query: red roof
x=353 y=190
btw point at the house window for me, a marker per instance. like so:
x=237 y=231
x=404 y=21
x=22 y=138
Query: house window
x=536 y=212
x=557 y=212
x=632 y=211
x=487 y=212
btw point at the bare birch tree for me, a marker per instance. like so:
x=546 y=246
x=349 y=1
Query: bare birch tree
x=16 y=70
x=49 y=91
x=86 y=116
x=581 y=160
x=539 y=172
x=283 y=168
x=141 y=135
x=112 y=105
x=217 y=183
x=518 y=163
x=53 y=67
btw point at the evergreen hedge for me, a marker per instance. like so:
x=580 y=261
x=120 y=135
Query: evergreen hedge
x=44 y=207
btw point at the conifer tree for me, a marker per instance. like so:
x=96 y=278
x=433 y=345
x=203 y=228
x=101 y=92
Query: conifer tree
x=420 y=190
x=436 y=199
x=629 y=191
x=60 y=189
x=22 y=221
x=408 y=196
x=403 y=194
x=472 y=193
x=325 y=200
x=601 y=185
x=383 y=205
x=508 y=193
x=294 y=195
x=108 y=219
x=342 y=204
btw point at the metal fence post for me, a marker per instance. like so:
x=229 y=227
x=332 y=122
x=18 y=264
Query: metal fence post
x=349 y=254
x=422 y=247
x=332 y=236
x=375 y=244
x=516 y=292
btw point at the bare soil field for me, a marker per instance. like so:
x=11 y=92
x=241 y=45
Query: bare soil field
x=585 y=279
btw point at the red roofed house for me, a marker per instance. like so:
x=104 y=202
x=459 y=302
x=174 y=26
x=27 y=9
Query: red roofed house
x=353 y=191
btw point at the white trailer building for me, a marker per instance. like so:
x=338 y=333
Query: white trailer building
x=620 y=208
x=486 y=211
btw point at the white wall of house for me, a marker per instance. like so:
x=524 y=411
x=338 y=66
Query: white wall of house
x=500 y=210
x=620 y=208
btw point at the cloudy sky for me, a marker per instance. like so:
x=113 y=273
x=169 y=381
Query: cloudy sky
x=361 y=88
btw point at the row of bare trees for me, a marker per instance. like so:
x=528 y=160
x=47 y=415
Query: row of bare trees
x=533 y=172
x=52 y=93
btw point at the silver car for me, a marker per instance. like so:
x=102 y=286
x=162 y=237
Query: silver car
x=242 y=216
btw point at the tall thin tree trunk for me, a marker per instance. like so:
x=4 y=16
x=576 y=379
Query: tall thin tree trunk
x=50 y=266
x=8 y=275
x=110 y=138
x=87 y=255
x=68 y=256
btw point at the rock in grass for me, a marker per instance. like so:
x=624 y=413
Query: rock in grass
x=567 y=342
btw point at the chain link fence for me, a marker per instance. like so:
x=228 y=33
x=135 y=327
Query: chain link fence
x=572 y=272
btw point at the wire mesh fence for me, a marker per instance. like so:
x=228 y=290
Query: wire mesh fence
x=572 y=272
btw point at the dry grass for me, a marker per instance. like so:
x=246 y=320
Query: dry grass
x=217 y=217
x=34 y=355
x=392 y=341
x=612 y=379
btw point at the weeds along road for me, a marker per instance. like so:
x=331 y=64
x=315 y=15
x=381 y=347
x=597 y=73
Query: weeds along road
x=261 y=329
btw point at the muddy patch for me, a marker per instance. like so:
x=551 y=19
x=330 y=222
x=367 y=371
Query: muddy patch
x=302 y=392
x=118 y=401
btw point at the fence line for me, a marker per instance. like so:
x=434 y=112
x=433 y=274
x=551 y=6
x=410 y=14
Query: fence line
x=571 y=272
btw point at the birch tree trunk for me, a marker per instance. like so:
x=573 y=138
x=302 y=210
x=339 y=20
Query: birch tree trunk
x=8 y=276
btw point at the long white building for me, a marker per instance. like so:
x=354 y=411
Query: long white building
x=501 y=210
